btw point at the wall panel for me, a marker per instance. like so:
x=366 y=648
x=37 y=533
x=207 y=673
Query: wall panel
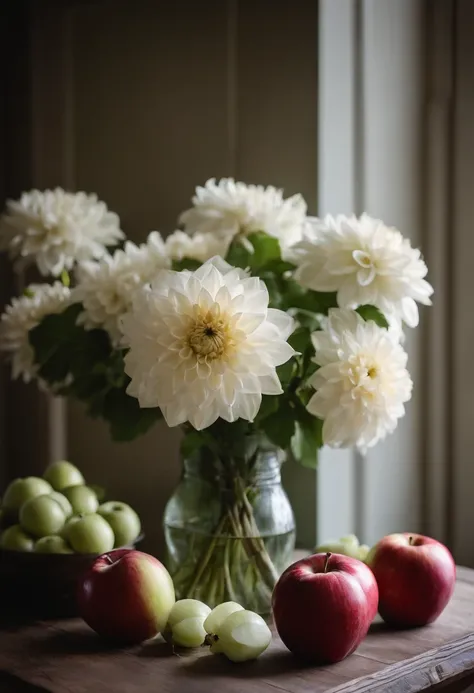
x=162 y=97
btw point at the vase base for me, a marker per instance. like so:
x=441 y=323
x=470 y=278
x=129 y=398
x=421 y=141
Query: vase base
x=236 y=569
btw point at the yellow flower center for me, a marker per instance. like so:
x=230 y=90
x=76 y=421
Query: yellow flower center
x=360 y=374
x=209 y=337
x=363 y=259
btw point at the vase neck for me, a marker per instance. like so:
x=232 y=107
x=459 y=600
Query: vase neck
x=263 y=468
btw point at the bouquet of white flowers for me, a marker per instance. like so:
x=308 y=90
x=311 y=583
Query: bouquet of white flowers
x=253 y=327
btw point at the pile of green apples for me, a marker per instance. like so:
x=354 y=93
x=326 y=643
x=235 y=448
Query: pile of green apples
x=59 y=513
x=347 y=546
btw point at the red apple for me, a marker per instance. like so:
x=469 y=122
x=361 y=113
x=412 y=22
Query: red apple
x=323 y=606
x=126 y=596
x=415 y=576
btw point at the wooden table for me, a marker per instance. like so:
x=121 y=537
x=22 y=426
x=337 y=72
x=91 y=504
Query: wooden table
x=66 y=657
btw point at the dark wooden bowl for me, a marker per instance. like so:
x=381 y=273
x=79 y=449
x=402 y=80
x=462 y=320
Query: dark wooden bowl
x=38 y=585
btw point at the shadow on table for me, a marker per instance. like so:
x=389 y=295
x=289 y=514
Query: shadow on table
x=69 y=643
x=13 y=684
x=271 y=664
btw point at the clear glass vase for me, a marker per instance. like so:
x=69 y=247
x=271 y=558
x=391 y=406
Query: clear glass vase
x=230 y=529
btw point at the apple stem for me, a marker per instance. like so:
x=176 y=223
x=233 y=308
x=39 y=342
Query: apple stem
x=410 y=541
x=210 y=640
x=108 y=558
x=328 y=556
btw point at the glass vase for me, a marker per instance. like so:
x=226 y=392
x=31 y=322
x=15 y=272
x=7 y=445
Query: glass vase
x=230 y=529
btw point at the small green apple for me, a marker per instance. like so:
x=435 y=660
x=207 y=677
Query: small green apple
x=52 y=544
x=347 y=546
x=15 y=539
x=90 y=534
x=65 y=530
x=63 y=474
x=63 y=502
x=82 y=498
x=22 y=490
x=331 y=546
x=42 y=516
x=124 y=521
x=350 y=540
x=363 y=552
x=99 y=492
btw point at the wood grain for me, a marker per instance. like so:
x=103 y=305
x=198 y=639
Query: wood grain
x=60 y=656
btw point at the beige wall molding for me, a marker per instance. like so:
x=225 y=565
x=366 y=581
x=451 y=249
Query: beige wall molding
x=371 y=95
x=461 y=256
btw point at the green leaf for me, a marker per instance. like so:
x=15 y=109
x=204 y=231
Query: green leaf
x=313 y=301
x=186 y=263
x=266 y=250
x=268 y=406
x=309 y=368
x=95 y=404
x=280 y=426
x=273 y=288
x=307 y=439
x=238 y=256
x=372 y=313
x=53 y=331
x=286 y=372
x=126 y=419
x=63 y=348
x=300 y=340
x=307 y=318
x=278 y=267
x=192 y=442
x=88 y=387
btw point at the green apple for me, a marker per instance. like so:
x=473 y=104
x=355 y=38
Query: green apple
x=350 y=540
x=65 y=530
x=99 y=492
x=52 y=544
x=332 y=546
x=82 y=498
x=90 y=534
x=15 y=539
x=42 y=516
x=63 y=502
x=63 y=474
x=124 y=521
x=347 y=546
x=22 y=490
x=363 y=552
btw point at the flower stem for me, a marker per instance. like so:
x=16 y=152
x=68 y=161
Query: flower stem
x=234 y=564
x=208 y=554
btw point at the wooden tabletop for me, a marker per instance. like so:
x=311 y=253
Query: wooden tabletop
x=66 y=657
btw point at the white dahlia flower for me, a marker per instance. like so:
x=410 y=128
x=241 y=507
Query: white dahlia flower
x=362 y=383
x=56 y=229
x=229 y=209
x=21 y=316
x=366 y=262
x=200 y=246
x=205 y=345
x=105 y=287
